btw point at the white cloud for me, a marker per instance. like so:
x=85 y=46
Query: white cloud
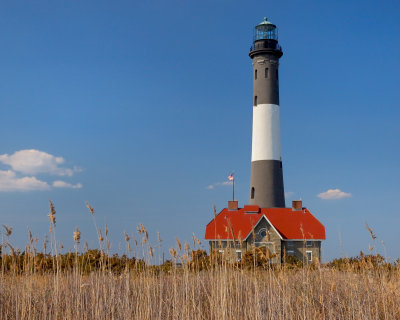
x=10 y=182
x=34 y=161
x=333 y=194
x=63 y=184
x=218 y=184
x=288 y=194
x=26 y=164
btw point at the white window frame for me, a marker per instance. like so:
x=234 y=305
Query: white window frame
x=237 y=255
x=309 y=252
x=221 y=251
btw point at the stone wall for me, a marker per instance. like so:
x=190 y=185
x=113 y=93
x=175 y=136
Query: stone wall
x=299 y=249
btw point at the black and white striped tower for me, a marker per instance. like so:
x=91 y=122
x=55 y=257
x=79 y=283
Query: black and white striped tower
x=266 y=184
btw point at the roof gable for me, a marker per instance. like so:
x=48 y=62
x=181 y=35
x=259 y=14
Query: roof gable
x=258 y=222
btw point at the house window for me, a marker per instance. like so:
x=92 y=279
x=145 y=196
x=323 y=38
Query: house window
x=221 y=251
x=255 y=100
x=290 y=253
x=262 y=233
x=266 y=73
x=255 y=74
x=290 y=244
x=239 y=255
x=309 y=256
x=309 y=243
x=252 y=193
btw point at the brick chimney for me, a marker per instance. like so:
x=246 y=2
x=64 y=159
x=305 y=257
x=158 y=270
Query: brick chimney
x=297 y=205
x=233 y=205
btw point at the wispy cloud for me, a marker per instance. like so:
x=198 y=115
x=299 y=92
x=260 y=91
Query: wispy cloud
x=288 y=194
x=219 y=184
x=334 y=194
x=34 y=162
x=10 y=182
x=63 y=184
x=26 y=164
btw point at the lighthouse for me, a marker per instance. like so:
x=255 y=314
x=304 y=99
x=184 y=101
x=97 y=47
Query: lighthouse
x=266 y=180
x=286 y=233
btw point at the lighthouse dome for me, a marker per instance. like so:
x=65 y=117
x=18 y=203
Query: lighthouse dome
x=265 y=31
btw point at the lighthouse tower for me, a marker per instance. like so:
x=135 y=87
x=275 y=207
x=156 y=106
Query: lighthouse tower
x=266 y=182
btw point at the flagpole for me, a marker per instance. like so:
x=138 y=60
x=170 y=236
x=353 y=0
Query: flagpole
x=231 y=177
x=233 y=189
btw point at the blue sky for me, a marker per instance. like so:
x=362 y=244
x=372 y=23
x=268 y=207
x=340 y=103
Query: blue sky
x=138 y=106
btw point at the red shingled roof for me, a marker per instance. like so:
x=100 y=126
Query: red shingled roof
x=290 y=224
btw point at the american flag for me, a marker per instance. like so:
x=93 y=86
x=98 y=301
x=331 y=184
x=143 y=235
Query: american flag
x=230 y=177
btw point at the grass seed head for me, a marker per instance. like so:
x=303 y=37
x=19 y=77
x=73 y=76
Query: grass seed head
x=30 y=236
x=172 y=252
x=52 y=208
x=91 y=209
x=127 y=238
x=52 y=219
x=179 y=244
x=373 y=236
x=8 y=230
x=159 y=237
x=187 y=248
x=77 y=235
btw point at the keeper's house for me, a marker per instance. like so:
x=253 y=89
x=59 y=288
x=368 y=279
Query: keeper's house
x=283 y=231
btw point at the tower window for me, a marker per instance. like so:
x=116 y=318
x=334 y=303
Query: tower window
x=277 y=74
x=266 y=73
x=255 y=100
x=252 y=193
x=255 y=74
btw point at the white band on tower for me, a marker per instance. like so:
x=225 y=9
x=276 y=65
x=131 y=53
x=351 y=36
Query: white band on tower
x=266 y=138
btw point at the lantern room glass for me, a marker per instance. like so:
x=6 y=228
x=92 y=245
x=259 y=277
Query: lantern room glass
x=265 y=31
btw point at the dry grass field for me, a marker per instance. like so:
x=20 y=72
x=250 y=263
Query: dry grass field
x=93 y=284
x=221 y=293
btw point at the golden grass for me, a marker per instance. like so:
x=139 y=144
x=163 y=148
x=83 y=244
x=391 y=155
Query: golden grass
x=222 y=293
